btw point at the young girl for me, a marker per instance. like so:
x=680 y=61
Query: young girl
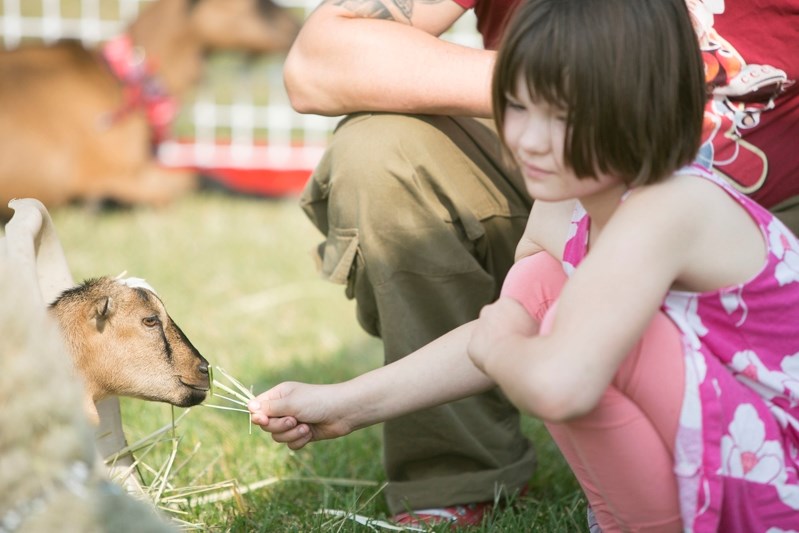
x=651 y=318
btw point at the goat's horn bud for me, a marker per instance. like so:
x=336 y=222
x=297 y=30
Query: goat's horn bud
x=137 y=283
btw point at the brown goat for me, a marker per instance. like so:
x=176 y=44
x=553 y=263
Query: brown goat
x=124 y=343
x=32 y=250
x=78 y=124
x=51 y=476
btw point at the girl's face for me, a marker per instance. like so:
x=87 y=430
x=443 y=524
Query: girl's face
x=535 y=132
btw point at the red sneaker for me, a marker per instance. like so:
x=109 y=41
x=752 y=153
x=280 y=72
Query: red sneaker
x=471 y=514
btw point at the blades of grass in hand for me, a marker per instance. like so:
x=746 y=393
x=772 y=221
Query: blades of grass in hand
x=231 y=400
x=211 y=379
x=247 y=393
x=231 y=391
x=224 y=408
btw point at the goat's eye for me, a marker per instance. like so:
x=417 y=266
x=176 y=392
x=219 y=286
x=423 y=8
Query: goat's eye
x=151 y=321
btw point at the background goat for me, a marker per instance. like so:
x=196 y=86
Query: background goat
x=78 y=124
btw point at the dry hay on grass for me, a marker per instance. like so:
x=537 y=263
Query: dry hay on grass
x=169 y=497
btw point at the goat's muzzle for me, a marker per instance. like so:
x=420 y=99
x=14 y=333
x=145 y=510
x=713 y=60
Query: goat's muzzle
x=197 y=385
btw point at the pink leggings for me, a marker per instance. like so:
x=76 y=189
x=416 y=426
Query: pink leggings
x=622 y=452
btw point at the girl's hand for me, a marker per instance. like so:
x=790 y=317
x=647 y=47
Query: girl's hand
x=499 y=323
x=298 y=413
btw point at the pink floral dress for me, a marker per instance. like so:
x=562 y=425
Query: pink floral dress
x=737 y=449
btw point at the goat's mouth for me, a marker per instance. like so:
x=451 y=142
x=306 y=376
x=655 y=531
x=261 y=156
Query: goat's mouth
x=204 y=387
x=195 y=394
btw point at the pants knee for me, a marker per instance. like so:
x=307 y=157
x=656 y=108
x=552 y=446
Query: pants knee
x=535 y=282
x=382 y=154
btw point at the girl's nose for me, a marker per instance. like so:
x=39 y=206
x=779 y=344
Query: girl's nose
x=535 y=137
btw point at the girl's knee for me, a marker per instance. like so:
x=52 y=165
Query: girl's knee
x=658 y=354
x=535 y=281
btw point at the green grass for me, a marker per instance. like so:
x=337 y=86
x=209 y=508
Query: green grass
x=237 y=275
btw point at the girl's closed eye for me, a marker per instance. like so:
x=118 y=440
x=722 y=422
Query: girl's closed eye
x=559 y=113
x=556 y=111
x=511 y=102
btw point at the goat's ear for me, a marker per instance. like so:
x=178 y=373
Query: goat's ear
x=103 y=308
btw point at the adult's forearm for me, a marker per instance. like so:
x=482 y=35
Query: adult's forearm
x=379 y=65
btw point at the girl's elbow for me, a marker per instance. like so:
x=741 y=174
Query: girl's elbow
x=566 y=412
x=561 y=404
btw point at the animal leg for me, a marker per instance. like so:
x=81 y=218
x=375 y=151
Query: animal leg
x=110 y=439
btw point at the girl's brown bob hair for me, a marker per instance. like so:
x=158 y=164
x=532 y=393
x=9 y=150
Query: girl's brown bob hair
x=628 y=73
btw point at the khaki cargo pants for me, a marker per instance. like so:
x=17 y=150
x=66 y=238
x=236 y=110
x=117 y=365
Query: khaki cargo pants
x=421 y=216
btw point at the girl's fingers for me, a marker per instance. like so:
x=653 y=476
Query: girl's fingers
x=299 y=443
x=300 y=434
x=274 y=425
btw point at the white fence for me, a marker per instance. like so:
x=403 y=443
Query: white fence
x=254 y=128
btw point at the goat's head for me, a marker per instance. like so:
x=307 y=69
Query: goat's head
x=124 y=343
x=176 y=34
x=257 y=26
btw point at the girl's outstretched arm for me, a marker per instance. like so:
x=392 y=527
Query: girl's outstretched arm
x=299 y=413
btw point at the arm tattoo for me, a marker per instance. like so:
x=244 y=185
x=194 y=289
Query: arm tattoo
x=406 y=6
x=379 y=9
x=373 y=9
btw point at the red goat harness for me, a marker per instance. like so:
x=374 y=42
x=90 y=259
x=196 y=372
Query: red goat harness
x=142 y=87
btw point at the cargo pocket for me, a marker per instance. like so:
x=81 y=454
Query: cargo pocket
x=338 y=254
x=342 y=263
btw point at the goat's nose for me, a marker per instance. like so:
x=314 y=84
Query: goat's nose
x=203 y=368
